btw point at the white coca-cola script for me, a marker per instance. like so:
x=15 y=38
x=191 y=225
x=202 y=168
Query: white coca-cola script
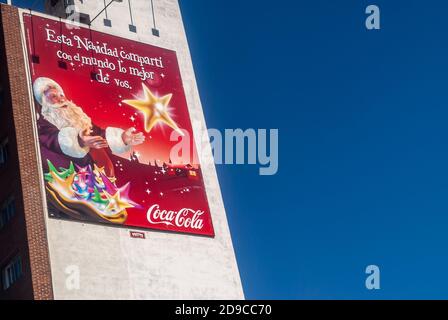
x=184 y=218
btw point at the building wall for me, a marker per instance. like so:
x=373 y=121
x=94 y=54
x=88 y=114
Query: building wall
x=13 y=235
x=111 y=264
x=25 y=234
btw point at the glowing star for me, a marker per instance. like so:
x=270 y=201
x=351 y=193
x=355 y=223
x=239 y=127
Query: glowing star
x=107 y=183
x=97 y=197
x=63 y=185
x=64 y=173
x=123 y=191
x=116 y=204
x=154 y=109
x=83 y=171
x=99 y=170
x=112 y=179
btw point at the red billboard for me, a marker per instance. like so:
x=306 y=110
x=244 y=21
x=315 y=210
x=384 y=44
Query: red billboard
x=107 y=109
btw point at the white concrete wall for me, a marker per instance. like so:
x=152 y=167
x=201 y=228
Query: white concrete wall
x=164 y=266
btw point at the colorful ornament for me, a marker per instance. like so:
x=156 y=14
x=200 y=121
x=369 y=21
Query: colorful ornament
x=92 y=188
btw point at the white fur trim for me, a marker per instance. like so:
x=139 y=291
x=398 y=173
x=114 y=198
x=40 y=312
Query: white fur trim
x=68 y=141
x=115 y=140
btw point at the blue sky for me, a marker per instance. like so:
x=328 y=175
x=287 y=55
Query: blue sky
x=362 y=119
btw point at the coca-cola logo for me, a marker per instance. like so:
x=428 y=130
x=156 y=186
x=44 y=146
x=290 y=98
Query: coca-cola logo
x=184 y=218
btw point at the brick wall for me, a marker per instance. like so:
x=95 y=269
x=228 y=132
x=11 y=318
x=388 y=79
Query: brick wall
x=28 y=233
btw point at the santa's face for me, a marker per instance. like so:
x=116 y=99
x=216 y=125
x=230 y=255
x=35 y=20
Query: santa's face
x=62 y=113
x=55 y=98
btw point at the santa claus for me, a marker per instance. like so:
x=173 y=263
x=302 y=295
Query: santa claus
x=67 y=134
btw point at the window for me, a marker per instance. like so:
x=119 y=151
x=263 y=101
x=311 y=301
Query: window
x=12 y=272
x=84 y=18
x=3 y=151
x=7 y=211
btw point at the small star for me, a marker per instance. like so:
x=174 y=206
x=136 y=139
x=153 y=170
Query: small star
x=162 y=75
x=132 y=118
x=163 y=170
x=148 y=191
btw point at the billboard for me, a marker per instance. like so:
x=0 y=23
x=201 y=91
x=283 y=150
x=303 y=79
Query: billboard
x=109 y=111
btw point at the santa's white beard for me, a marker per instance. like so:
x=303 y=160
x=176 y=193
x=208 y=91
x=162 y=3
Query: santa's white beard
x=70 y=116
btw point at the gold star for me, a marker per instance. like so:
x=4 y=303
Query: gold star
x=116 y=204
x=62 y=185
x=112 y=179
x=154 y=109
x=98 y=169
